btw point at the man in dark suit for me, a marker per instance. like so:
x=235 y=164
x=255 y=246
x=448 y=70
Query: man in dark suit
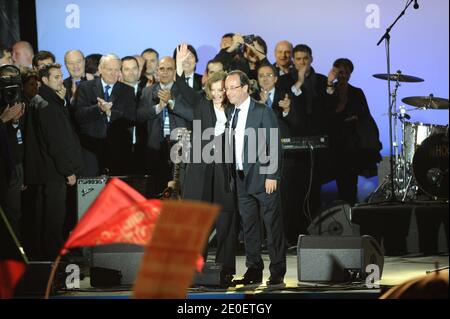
x=194 y=80
x=312 y=107
x=156 y=109
x=283 y=57
x=105 y=111
x=257 y=174
x=58 y=159
x=75 y=64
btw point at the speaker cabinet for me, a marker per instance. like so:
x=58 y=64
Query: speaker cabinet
x=336 y=258
x=334 y=220
x=114 y=265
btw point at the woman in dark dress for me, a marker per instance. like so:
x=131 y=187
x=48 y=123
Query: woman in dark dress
x=208 y=180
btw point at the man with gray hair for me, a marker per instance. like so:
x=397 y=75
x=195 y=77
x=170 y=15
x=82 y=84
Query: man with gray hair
x=75 y=62
x=105 y=111
x=22 y=54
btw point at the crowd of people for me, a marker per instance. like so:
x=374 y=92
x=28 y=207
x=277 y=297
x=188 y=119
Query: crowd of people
x=115 y=116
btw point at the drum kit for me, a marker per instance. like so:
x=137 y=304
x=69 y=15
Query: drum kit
x=420 y=167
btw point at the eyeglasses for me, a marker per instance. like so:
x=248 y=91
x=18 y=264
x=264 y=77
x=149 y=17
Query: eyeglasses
x=267 y=75
x=232 y=88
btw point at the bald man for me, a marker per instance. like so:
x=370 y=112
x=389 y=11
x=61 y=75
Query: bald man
x=156 y=109
x=22 y=54
x=283 y=57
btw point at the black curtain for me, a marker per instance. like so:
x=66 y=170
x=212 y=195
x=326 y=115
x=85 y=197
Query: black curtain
x=9 y=22
x=18 y=22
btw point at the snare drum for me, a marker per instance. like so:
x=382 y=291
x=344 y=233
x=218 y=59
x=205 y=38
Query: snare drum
x=415 y=133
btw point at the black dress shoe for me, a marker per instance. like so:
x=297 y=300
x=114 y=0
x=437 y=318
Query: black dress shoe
x=275 y=282
x=226 y=281
x=251 y=277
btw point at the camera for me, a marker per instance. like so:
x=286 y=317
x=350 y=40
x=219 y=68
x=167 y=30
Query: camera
x=10 y=85
x=249 y=38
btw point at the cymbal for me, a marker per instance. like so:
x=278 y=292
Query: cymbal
x=400 y=77
x=427 y=102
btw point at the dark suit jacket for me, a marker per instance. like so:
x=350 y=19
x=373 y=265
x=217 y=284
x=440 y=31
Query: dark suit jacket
x=358 y=139
x=286 y=123
x=203 y=110
x=197 y=82
x=114 y=138
x=58 y=152
x=261 y=117
x=155 y=122
x=313 y=107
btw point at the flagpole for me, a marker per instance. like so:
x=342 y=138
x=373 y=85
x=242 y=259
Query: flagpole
x=13 y=236
x=52 y=276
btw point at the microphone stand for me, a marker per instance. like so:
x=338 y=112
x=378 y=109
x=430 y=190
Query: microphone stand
x=387 y=37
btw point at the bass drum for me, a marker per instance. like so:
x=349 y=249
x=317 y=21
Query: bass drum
x=430 y=166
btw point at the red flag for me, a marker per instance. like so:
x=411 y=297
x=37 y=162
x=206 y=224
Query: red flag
x=10 y=273
x=116 y=196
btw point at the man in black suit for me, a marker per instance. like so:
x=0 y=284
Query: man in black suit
x=156 y=109
x=312 y=107
x=257 y=176
x=57 y=159
x=105 y=111
x=283 y=57
x=75 y=64
x=194 y=80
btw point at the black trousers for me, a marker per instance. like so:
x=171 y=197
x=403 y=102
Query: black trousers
x=214 y=191
x=250 y=208
x=52 y=199
x=13 y=200
x=159 y=166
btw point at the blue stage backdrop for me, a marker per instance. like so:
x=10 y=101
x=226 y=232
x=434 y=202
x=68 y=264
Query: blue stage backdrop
x=333 y=29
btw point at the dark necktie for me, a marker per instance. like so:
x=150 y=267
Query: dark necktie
x=235 y=118
x=233 y=126
x=187 y=80
x=106 y=95
x=269 y=100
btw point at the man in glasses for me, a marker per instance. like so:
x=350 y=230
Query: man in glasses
x=156 y=109
x=257 y=178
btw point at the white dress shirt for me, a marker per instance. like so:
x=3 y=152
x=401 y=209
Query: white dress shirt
x=240 y=133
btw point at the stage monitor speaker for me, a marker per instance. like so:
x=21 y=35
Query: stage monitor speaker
x=115 y=265
x=336 y=258
x=334 y=220
x=210 y=275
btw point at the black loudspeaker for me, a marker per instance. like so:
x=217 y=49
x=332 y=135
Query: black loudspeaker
x=35 y=278
x=210 y=275
x=114 y=265
x=118 y=264
x=336 y=258
x=334 y=220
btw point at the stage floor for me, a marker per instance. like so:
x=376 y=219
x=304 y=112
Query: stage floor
x=396 y=270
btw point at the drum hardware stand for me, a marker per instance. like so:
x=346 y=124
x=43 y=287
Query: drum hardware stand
x=387 y=37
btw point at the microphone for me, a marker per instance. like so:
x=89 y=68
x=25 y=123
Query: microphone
x=416 y=5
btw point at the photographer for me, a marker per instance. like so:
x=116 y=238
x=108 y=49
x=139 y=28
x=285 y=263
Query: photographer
x=246 y=53
x=11 y=144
